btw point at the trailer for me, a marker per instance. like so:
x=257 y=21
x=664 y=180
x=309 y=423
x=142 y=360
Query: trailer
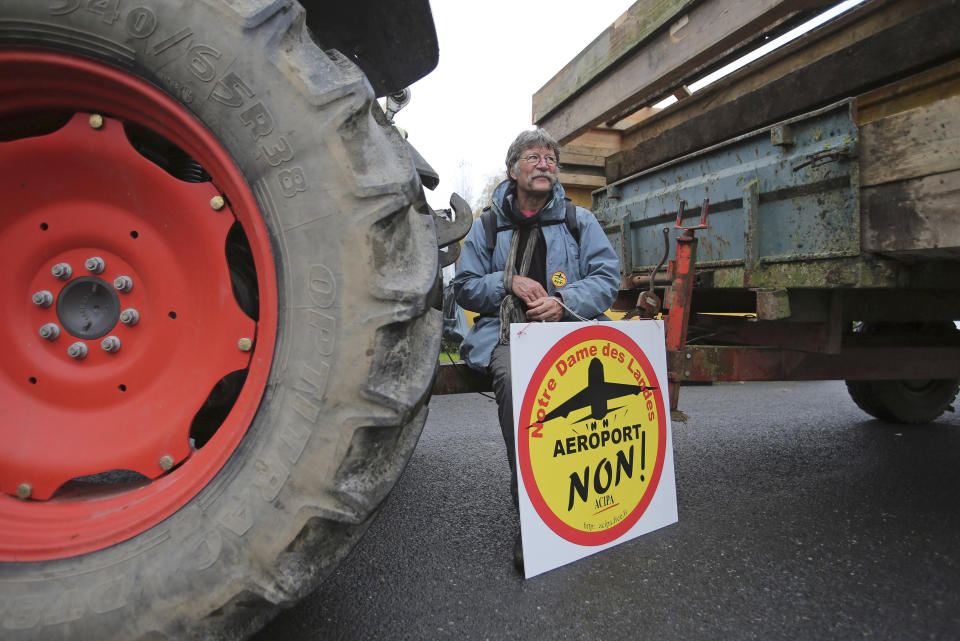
x=805 y=204
x=795 y=218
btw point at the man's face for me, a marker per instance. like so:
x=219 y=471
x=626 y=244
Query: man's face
x=535 y=171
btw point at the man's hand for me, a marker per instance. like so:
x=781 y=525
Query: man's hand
x=528 y=290
x=545 y=309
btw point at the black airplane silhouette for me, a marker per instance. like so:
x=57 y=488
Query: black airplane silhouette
x=595 y=395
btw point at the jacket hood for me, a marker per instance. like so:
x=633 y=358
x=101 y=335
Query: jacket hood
x=554 y=209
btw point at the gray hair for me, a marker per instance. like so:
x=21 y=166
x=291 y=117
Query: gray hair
x=526 y=140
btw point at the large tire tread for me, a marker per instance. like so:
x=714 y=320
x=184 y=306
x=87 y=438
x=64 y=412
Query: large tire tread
x=253 y=567
x=864 y=394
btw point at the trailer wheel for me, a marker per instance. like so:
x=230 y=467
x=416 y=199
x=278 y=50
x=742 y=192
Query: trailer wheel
x=216 y=303
x=905 y=401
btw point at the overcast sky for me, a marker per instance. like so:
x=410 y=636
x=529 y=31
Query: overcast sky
x=493 y=56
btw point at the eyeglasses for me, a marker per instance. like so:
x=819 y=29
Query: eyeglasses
x=534 y=159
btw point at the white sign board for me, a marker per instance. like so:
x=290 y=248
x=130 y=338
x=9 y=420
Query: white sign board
x=593 y=440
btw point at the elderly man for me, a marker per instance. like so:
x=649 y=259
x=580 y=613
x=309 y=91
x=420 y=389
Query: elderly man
x=532 y=256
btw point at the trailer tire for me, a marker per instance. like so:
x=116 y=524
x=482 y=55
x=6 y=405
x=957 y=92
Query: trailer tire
x=905 y=401
x=345 y=339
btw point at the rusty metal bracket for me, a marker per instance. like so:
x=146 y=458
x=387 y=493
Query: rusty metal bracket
x=826 y=156
x=681 y=292
x=772 y=303
x=704 y=209
x=782 y=135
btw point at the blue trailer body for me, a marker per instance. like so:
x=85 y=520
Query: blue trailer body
x=782 y=194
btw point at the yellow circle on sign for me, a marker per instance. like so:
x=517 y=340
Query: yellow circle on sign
x=559 y=279
x=592 y=456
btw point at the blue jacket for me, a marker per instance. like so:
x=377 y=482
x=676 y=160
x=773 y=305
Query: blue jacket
x=591 y=271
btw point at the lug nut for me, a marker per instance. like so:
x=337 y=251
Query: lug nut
x=24 y=490
x=50 y=331
x=96 y=121
x=110 y=344
x=63 y=271
x=123 y=284
x=130 y=317
x=166 y=462
x=245 y=344
x=217 y=203
x=43 y=298
x=78 y=351
x=95 y=264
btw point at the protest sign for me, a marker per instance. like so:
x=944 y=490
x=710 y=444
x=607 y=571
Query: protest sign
x=594 y=445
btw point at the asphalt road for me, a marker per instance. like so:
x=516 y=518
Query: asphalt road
x=800 y=518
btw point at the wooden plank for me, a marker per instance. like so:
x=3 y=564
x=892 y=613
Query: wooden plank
x=630 y=30
x=915 y=143
x=696 y=39
x=866 y=20
x=605 y=140
x=916 y=91
x=598 y=152
x=459 y=378
x=582 y=179
x=632 y=120
x=904 y=48
x=569 y=158
x=914 y=217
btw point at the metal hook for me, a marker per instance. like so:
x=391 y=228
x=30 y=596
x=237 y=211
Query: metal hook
x=666 y=252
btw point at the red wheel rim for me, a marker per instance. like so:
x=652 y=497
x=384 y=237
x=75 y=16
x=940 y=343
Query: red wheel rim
x=81 y=195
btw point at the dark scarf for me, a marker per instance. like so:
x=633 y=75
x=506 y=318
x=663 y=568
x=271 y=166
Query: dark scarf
x=538 y=264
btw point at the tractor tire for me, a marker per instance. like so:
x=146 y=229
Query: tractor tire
x=199 y=446
x=905 y=401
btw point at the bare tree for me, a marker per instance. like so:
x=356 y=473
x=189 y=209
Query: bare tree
x=486 y=194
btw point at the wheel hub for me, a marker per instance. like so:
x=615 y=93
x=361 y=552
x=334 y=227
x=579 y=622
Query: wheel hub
x=88 y=307
x=118 y=305
x=161 y=249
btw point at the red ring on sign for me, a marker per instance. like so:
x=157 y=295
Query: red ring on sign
x=562 y=529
